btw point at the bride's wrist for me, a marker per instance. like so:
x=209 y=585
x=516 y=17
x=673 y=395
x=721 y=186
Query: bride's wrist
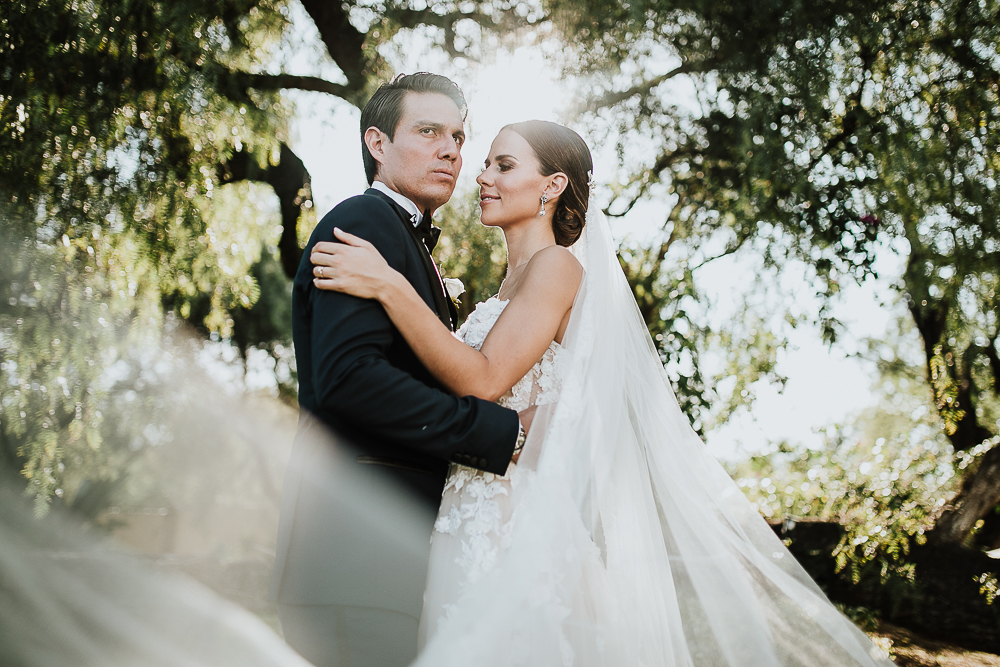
x=389 y=288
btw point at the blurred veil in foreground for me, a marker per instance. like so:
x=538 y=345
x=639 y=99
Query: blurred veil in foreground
x=156 y=479
x=65 y=599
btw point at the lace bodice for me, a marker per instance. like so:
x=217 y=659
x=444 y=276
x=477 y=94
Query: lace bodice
x=540 y=385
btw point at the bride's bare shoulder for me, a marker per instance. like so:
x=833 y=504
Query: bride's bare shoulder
x=555 y=258
x=554 y=267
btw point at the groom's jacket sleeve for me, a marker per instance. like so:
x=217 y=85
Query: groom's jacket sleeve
x=354 y=380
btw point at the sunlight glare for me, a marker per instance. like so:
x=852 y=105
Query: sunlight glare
x=517 y=86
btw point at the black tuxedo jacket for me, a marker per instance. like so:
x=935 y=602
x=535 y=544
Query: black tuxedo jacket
x=360 y=379
x=358 y=375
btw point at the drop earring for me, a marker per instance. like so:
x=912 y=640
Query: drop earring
x=545 y=198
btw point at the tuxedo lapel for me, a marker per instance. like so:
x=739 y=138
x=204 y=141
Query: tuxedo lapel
x=445 y=309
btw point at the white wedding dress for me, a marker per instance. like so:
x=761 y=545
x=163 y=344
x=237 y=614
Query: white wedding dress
x=474 y=518
x=617 y=540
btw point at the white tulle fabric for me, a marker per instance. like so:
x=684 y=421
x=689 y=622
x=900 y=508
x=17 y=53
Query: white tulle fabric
x=618 y=540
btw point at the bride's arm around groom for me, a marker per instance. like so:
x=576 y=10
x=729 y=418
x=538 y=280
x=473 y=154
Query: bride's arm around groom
x=367 y=379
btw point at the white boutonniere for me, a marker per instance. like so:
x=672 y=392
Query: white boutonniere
x=454 y=287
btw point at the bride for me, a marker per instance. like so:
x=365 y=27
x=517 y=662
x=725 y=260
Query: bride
x=615 y=538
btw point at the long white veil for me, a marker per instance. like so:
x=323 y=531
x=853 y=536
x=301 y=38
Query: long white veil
x=68 y=599
x=629 y=543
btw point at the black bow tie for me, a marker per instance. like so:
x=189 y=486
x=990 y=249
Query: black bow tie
x=428 y=233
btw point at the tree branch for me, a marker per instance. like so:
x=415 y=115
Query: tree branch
x=650 y=176
x=411 y=18
x=850 y=125
x=344 y=42
x=990 y=352
x=292 y=81
x=508 y=21
x=292 y=184
x=643 y=88
x=725 y=253
x=980 y=491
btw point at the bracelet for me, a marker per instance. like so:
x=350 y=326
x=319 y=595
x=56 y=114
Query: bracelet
x=522 y=436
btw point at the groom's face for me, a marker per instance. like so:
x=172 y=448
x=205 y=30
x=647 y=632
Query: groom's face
x=424 y=159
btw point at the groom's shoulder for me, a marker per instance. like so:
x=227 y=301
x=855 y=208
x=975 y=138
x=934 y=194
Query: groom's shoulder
x=362 y=207
x=364 y=215
x=365 y=203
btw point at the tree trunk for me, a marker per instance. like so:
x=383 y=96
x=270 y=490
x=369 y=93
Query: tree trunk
x=978 y=497
x=988 y=537
x=980 y=491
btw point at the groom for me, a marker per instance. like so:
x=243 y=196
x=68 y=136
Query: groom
x=345 y=595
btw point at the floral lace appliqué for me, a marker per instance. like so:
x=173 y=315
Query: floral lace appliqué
x=475 y=506
x=540 y=385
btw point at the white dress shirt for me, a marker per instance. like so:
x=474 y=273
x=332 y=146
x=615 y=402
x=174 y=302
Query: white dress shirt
x=415 y=215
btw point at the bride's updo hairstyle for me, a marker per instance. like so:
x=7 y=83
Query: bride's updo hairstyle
x=559 y=148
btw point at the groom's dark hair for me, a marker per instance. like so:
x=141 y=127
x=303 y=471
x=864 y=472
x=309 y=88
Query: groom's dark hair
x=385 y=108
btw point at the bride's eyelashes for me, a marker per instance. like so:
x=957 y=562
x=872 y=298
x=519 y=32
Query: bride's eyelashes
x=502 y=167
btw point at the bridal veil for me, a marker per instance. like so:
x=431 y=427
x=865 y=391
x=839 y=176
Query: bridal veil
x=629 y=543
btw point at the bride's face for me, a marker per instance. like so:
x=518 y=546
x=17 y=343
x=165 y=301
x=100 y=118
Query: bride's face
x=510 y=185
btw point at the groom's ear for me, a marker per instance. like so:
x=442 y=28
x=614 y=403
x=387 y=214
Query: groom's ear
x=557 y=184
x=375 y=140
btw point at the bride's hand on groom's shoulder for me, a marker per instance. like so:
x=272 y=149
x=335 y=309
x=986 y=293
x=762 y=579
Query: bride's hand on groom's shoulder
x=353 y=266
